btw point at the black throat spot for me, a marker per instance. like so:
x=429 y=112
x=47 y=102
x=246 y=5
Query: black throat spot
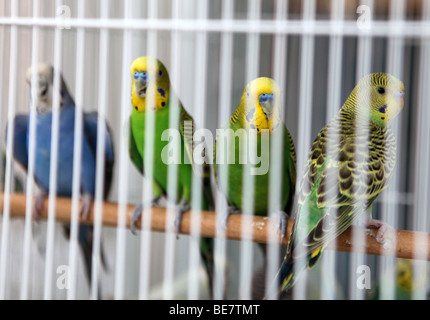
x=162 y=92
x=383 y=109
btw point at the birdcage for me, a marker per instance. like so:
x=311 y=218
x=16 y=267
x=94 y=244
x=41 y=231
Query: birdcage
x=316 y=51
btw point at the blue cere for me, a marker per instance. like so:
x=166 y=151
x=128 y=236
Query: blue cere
x=140 y=75
x=265 y=97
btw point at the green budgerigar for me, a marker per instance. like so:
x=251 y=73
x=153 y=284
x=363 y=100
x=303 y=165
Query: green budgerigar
x=258 y=111
x=151 y=85
x=351 y=161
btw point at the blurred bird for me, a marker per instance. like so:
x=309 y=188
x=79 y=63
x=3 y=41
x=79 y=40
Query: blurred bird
x=407 y=281
x=258 y=110
x=320 y=285
x=18 y=185
x=151 y=85
x=44 y=106
x=351 y=161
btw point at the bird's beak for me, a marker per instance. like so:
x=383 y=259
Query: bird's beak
x=42 y=89
x=268 y=107
x=140 y=87
x=400 y=97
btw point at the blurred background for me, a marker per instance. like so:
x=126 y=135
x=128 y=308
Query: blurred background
x=311 y=65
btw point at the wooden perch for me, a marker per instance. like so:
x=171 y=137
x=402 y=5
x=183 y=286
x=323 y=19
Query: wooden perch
x=405 y=244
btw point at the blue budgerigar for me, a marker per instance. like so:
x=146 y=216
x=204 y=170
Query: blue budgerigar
x=67 y=118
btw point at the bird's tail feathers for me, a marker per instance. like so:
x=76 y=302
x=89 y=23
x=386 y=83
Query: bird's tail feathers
x=284 y=279
x=103 y=259
x=207 y=254
x=85 y=239
x=286 y=276
x=314 y=257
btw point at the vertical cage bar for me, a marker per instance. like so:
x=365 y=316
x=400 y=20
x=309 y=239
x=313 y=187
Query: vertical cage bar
x=31 y=159
x=328 y=259
x=279 y=66
x=225 y=89
x=10 y=131
x=305 y=116
x=364 y=49
x=251 y=71
x=121 y=244
x=55 y=130
x=422 y=171
x=172 y=174
x=199 y=112
x=77 y=155
x=148 y=192
x=100 y=152
x=390 y=203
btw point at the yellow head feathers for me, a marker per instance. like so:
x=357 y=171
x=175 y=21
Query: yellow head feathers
x=378 y=95
x=259 y=105
x=150 y=84
x=408 y=278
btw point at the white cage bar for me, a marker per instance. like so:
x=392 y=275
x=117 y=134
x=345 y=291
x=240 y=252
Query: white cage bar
x=316 y=50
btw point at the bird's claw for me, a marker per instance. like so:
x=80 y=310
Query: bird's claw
x=137 y=213
x=38 y=204
x=222 y=222
x=135 y=217
x=223 y=219
x=181 y=209
x=85 y=206
x=383 y=229
x=282 y=223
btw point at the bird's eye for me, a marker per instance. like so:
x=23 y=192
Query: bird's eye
x=136 y=75
x=381 y=90
x=160 y=73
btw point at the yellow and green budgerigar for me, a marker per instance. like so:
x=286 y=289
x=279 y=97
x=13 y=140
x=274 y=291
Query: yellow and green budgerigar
x=408 y=281
x=258 y=111
x=351 y=161
x=151 y=84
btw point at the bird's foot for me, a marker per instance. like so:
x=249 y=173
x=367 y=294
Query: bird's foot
x=85 y=206
x=38 y=204
x=383 y=229
x=223 y=218
x=137 y=213
x=282 y=223
x=182 y=207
